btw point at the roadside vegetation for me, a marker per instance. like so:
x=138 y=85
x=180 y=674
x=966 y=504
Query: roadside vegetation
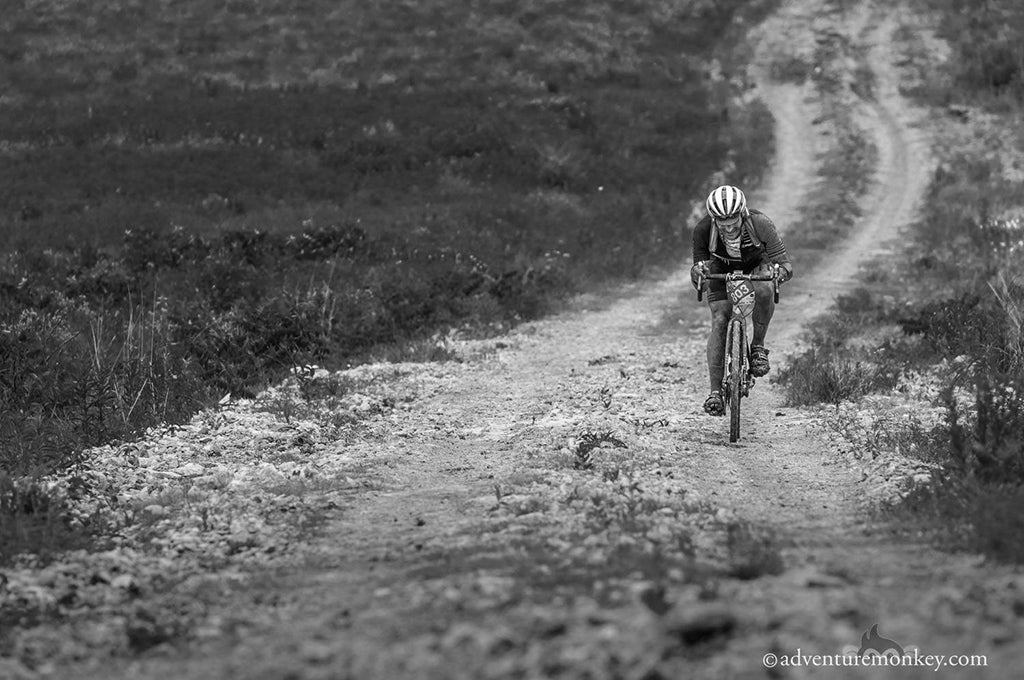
x=942 y=326
x=193 y=204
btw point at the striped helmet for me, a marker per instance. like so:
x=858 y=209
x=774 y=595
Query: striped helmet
x=726 y=201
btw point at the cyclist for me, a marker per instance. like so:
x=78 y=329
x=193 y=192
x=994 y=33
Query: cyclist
x=733 y=237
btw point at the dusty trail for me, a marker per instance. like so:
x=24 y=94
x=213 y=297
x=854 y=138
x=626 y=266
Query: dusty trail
x=395 y=588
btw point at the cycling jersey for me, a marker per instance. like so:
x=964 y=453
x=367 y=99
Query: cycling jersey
x=759 y=243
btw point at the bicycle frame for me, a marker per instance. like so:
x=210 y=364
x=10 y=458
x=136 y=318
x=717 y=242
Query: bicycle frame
x=736 y=378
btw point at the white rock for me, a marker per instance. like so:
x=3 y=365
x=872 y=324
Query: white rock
x=223 y=476
x=191 y=470
x=267 y=474
x=123 y=581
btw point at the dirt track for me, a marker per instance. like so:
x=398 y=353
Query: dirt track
x=470 y=558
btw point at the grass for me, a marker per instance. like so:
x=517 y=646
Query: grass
x=207 y=130
x=34 y=518
x=813 y=378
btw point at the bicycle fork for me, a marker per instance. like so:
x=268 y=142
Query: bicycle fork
x=737 y=358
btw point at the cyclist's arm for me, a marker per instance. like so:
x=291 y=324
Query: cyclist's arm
x=701 y=240
x=774 y=248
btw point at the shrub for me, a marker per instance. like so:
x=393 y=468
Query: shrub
x=818 y=376
x=962 y=513
x=955 y=326
x=73 y=379
x=34 y=518
x=984 y=395
x=997 y=519
x=987 y=43
x=987 y=434
x=957 y=215
x=753 y=552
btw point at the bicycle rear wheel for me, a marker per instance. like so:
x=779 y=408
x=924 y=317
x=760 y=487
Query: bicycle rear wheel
x=736 y=343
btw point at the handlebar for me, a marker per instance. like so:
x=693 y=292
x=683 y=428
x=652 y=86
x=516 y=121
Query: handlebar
x=736 y=276
x=739 y=276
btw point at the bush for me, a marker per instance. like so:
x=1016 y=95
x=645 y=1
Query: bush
x=997 y=519
x=955 y=326
x=984 y=394
x=987 y=433
x=997 y=430
x=818 y=376
x=987 y=42
x=34 y=518
x=753 y=552
x=72 y=378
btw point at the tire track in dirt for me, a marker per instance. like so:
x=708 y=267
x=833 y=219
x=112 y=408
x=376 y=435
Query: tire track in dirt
x=900 y=181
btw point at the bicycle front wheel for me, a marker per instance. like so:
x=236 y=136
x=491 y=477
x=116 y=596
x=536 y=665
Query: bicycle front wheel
x=736 y=350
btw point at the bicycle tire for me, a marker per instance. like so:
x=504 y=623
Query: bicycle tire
x=735 y=380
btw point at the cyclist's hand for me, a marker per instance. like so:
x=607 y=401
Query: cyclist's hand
x=698 y=271
x=783 y=273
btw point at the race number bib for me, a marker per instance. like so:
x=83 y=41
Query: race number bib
x=741 y=294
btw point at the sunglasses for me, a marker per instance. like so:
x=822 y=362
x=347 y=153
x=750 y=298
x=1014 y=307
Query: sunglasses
x=729 y=222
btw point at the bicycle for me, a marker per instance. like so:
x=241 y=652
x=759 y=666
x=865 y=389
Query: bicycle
x=737 y=380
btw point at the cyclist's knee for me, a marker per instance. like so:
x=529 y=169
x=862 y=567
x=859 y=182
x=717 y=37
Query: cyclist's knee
x=721 y=311
x=765 y=295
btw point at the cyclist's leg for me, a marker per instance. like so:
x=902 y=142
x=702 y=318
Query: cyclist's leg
x=721 y=311
x=764 y=306
x=764 y=309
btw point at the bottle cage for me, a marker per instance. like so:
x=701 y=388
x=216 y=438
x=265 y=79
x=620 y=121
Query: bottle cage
x=741 y=294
